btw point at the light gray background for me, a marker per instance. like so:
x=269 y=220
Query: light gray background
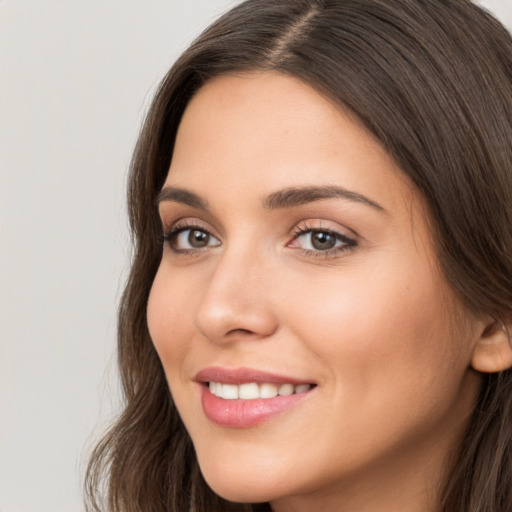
x=76 y=77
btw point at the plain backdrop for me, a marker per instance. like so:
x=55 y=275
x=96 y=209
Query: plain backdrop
x=76 y=77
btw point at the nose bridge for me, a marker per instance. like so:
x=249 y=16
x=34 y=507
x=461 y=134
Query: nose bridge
x=237 y=299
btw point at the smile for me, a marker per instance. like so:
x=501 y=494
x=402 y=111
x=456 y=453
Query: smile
x=253 y=390
x=245 y=397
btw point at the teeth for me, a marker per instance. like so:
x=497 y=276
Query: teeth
x=251 y=391
x=285 y=389
x=302 y=388
x=268 y=390
x=229 y=391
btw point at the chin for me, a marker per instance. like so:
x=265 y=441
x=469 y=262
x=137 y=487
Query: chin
x=242 y=491
x=243 y=485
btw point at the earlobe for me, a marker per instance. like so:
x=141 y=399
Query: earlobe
x=493 y=350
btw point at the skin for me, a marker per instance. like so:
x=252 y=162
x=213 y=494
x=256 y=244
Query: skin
x=374 y=324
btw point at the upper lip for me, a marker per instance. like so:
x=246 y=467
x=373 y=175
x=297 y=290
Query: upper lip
x=244 y=375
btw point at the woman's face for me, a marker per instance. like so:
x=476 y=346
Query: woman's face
x=297 y=262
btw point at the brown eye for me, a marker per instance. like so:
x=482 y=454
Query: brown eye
x=190 y=239
x=322 y=240
x=198 y=239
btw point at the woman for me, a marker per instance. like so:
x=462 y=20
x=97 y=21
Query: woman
x=325 y=324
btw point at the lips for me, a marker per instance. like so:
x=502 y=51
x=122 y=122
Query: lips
x=244 y=375
x=246 y=397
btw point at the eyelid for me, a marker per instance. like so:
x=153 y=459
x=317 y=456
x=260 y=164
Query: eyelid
x=319 y=224
x=170 y=224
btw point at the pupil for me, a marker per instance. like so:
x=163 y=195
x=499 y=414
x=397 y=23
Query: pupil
x=198 y=238
x=323 y=241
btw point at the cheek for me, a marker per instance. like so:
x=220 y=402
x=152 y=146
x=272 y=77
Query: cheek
x=167 y=320
x=382 y=335
x=389 y=357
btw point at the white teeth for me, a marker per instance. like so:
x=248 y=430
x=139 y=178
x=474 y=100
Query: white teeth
x=252 y=391
x=268 y=390
x=229 y=391
x=248 y=391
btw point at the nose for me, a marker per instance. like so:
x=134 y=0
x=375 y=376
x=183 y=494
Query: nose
x=236 y=303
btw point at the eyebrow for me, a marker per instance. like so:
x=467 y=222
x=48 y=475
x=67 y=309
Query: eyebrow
x=298 y=196
x=181 y=195
x=287 y=198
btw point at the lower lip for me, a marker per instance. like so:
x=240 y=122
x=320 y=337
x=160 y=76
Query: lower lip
x=245 y=413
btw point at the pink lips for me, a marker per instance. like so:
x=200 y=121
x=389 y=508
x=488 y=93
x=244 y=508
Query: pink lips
x=241 y=413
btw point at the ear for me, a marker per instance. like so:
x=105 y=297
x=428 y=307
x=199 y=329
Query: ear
x=493 y=350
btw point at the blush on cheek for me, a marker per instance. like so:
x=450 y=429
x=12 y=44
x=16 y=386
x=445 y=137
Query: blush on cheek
x=159 y=319
x=168 y=319
x=155 y=314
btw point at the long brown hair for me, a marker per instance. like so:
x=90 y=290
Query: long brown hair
x=432 y=80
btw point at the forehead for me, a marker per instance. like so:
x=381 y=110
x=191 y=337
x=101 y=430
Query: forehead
x=258 y=133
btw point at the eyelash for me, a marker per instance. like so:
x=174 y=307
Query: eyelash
x=169 y=237
x=347 y=243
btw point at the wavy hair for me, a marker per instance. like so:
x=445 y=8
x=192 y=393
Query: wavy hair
x=432 y=80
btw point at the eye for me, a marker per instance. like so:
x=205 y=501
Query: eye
x=318 y=240
x=321 y=241
x=190 y=238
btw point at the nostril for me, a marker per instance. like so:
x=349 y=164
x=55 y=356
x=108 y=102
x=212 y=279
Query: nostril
x=239 y=331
